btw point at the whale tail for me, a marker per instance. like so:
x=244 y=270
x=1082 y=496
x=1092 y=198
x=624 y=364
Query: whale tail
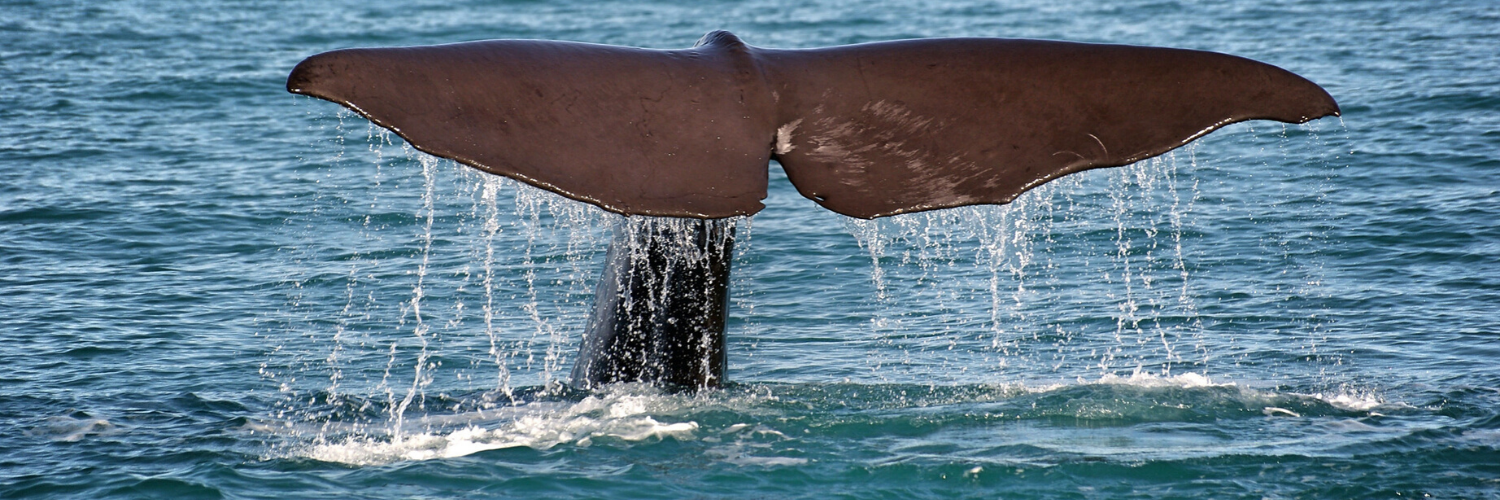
x=864 y=130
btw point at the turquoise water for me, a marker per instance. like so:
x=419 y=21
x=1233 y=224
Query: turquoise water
x=213 y=288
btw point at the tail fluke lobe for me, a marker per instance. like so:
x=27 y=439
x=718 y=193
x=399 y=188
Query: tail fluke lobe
x=634 y=131
x=885 y=128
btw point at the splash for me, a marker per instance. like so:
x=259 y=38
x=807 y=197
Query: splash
x=1090 y=278
x=1116 y=416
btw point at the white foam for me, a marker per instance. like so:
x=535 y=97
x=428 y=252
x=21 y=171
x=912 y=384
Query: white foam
x=1345 y=399
x=1350 y=400
x=1145 y=379
x=612 y=416
x=747 y=447
x=1271 y=411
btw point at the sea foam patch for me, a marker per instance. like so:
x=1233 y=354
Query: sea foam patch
x=612 y=416
x=1147 y=379
x=1344 y=399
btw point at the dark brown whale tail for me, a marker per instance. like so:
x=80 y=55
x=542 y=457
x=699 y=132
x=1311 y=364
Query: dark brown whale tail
x=865 y=130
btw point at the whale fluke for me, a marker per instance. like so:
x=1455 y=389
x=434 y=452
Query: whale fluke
x=865 y=130
x=683 y=133
x=887 y=128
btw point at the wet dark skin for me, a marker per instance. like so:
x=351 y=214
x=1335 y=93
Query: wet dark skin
x=865 y=130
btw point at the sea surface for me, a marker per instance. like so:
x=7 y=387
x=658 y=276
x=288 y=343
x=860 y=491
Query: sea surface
x=211 y=288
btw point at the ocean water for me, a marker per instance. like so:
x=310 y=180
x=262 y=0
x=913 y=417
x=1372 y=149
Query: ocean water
x=214 y=289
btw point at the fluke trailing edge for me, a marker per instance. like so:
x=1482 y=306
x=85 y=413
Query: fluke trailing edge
x=865 y=130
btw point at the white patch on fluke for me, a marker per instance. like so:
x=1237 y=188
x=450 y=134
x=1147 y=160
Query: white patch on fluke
x=784 y=137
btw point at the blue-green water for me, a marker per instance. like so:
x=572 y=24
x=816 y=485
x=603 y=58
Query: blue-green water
x=213 y=288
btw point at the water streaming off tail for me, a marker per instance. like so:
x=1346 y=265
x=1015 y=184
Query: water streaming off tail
x=455 y=289
x=1093 y=275
x=433 y=289
x=660 y=304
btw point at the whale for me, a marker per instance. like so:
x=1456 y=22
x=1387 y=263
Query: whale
x=680 y=142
